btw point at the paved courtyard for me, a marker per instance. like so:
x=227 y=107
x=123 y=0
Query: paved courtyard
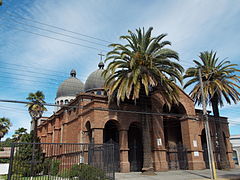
x=233 y=174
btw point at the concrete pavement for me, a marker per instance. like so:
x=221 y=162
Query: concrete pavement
x=233 y=174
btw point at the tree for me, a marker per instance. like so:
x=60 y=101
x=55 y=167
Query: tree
x=36 y=108
x=220 y=86
x=18 y=134
x=138 y=68
x=0 y=2
x=24 y=162
x=4 y=126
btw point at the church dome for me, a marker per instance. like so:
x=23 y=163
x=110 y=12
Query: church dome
x=95 y=80
x=71 y=86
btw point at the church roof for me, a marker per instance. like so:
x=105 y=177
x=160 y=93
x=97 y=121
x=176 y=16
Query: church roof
x=71 y=86
x=95 y=80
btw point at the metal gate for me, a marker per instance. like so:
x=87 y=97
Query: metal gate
x=61 y=161
x=177 y=157
x=115 y=154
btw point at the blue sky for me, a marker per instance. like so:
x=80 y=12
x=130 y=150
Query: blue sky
x=192 y=26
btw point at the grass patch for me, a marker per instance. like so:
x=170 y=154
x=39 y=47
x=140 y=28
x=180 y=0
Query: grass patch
x=3 y=177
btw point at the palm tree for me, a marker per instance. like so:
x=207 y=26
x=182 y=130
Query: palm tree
x=220 y=83
x=4 y=126
x=36 y=109
x=138 y=68
x=19 y=133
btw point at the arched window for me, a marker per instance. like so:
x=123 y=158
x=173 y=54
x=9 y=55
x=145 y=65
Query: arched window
x=61 y=102
x=66 y=101
x=89 y=131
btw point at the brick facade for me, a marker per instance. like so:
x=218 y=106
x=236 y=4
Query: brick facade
x=85 y=120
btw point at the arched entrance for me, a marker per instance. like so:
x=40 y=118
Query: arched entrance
x=176 y=151
x=135 y=153
x=111 y=136
x=204 y=148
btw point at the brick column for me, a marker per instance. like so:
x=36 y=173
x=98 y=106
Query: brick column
x=97 y=134
x=57 y=132
x=49 y=137
x=159 y=151
x=229 y=153
x=123 y=144
x=192 y=142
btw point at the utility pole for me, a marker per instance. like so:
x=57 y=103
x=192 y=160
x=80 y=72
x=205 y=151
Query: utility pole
x=207 y=130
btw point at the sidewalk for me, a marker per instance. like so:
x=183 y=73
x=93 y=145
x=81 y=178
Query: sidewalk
x=233 y=174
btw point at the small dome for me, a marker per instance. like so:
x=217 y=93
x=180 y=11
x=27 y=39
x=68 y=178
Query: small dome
x=95 y=80
x=71 y=86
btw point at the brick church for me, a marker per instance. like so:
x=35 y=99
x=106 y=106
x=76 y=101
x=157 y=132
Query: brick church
x=178 y=139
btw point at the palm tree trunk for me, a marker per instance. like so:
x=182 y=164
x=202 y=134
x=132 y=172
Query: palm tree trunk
x=34 y=131
x=221 y=149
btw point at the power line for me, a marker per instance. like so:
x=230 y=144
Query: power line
x=191 y=117
x=62 y=34
x=58 y=39
x=34 y=72
x=56 y=27
x=45 y=69
x=47 y=78
x=56 y=83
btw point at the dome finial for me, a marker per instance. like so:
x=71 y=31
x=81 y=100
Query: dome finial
x=73 y=73
x=101 y=64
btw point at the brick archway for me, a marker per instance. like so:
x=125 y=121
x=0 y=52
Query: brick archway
x=111 y=136
x=111 y=131
x=175 y=149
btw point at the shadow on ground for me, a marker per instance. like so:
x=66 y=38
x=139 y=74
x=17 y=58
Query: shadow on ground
x=198 y=174
x=231 y=176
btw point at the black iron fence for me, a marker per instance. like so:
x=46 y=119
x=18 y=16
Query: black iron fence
x=61 y=161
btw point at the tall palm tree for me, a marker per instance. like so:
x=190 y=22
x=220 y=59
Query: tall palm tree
x=220 y=85
x=19 y=133
x=36 y=109
x=139 y=67
x=4 y=126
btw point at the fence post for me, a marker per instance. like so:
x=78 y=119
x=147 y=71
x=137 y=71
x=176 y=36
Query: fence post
x=11 y=161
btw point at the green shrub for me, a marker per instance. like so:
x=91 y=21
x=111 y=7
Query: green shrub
x=4 y=160
x=54 y=167
x=83 y=171
x=51 y=167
